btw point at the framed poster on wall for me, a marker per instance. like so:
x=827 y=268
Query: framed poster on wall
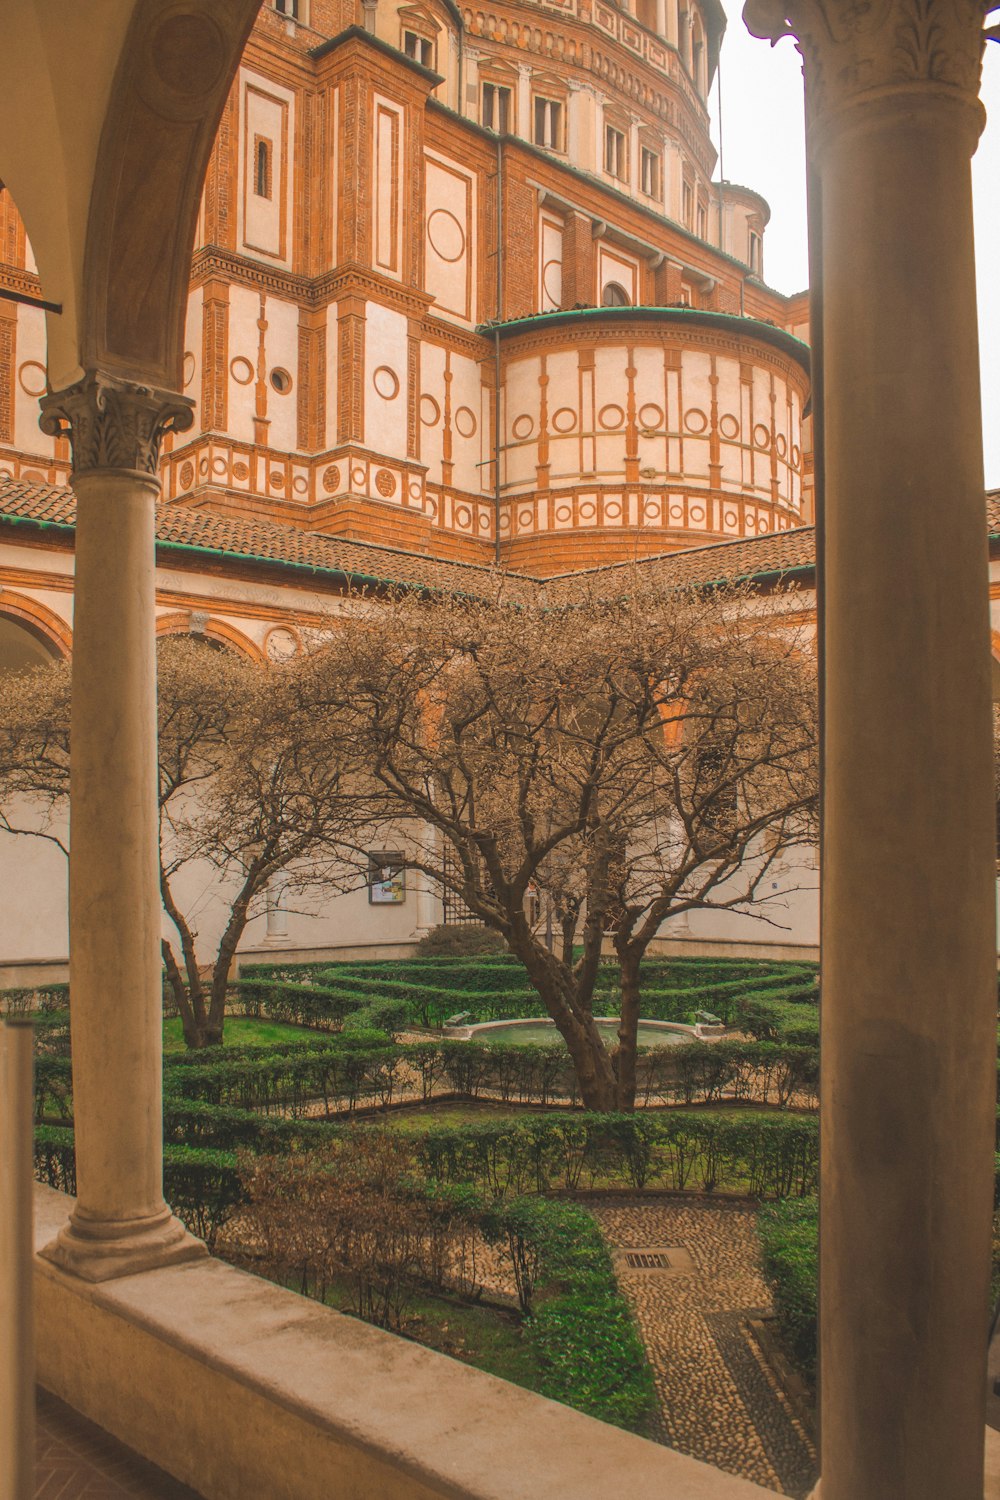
x=386 y=877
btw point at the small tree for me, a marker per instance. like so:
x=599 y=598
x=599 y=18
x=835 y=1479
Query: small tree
x=620 y=758
x=236 y=794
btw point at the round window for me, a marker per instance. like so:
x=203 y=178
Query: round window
x=282 y=381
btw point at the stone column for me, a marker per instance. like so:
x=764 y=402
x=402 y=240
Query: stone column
x=908 y=931
x=120 y=1223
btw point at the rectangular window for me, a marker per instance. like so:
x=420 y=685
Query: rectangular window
x=262 y=166
x=548 y=123
x=419 y=48
x=702 y=230
x=651 y=179
x=289 y=8
x=614 y=152
x=687 y=205
x=496 y=108
x=756 y=253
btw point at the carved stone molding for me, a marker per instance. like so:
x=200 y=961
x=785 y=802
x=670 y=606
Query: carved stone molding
x=114 y=424
x=854 y=50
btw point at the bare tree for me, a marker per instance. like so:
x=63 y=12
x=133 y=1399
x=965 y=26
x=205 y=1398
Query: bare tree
x=624 y=758
x=237 y=794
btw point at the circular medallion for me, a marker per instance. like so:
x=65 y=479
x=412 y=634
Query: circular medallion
x=415 y=491
x=612 y=510
x=331 y=478
x=730 y=518
x=430 y=412
x=385 y=483
x=240 y=471
x=676 y=512
x=651 y=509
x=465 y=421
x=564 y=420
x=564 y=513
x=446 y=235
x=280 y=644
x=729 y=426
x=695 y=420
x=357 y=476
x=611 y=417
x=588 y=511
x=203 y=466
x=276 y=479
x=523 y=426
x=552 y=281
x=430 y=507
x=386 y=383
x=300 y=485
x=650 y=415
x=190 y=365
x=761 y=436
x=780 y=446
x=219 y=465
x=463 y=517
x=796 y=455
x=697 y=514
x=186 y=475
x=241 y=370
x=526 y=518
x=504 y=525
x=281 y=381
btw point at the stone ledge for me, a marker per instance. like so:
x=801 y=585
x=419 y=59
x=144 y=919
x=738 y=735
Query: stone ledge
x=239 y=1388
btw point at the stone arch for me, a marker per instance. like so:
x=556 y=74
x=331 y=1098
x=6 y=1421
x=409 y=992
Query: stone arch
x=48 y=628
x=105 y=135
x=220 y=631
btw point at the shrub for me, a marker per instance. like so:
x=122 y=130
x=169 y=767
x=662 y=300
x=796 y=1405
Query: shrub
x=789 y=1235
x=460 y=940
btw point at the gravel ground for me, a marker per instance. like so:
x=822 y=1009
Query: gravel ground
x=718 y=1401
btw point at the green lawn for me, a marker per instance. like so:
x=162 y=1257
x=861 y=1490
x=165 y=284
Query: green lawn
x=242 y=1031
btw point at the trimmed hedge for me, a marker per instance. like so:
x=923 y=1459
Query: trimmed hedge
x=789 y=1237
x=203 y=1187
x=365 y=1070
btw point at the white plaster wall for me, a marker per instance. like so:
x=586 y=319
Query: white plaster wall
x=29 y=382
x=193 y=362
x=244 y=310
x=282 y=352
x=264 y=225
x=431 y=408
x=385 y=380
x=33 y=913
x=469 y=440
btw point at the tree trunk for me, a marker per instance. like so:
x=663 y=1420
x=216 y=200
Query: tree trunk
x=629 y=960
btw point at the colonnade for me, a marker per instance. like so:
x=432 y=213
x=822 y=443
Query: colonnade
x=908 y=927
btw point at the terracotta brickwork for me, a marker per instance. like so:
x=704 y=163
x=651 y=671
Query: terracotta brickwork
x=356 y=217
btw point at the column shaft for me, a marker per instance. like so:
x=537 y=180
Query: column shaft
x=909 y=944
x=120 y=1223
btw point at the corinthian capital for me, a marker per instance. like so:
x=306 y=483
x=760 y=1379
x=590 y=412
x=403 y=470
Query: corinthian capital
x=114 y=424
x=856 y=49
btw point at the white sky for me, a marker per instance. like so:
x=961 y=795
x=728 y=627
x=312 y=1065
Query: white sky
x=763 y=148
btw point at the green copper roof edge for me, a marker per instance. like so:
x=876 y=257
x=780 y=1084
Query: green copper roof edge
x=767 y=333
x=287 y=565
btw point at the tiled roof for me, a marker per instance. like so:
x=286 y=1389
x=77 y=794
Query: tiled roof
x=257 y=541
x=781 y=553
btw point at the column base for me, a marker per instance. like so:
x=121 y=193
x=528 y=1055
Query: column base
x=103 y=1249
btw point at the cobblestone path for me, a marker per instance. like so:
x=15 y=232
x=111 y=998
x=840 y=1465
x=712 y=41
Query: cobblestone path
x=718 y=1401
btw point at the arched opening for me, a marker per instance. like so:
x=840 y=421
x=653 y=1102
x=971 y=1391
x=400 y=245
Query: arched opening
x=22 y=647
x=615 y=295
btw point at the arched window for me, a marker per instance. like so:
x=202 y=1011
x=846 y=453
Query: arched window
x=262 y=167
x=615 y=295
